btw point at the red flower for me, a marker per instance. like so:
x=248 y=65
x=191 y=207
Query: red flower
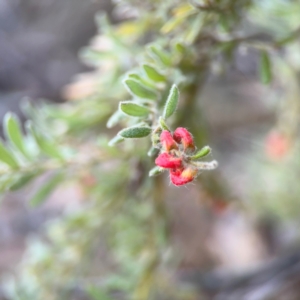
x=182 y=176
x=168 y=161
x=177 y=159
x=182 y=135
x=167 y=141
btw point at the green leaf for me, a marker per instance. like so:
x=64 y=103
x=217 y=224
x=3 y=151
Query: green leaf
x=142 y=80
x=22 y=181
x=45 y=191
x=6 y=181
x=137 y=89
x=153 y=74
x=181 y=48
x=172 y=102
x=47 y=146
x=265 y=68
x=161 y=55
x=14 y=133
x=202 y=153
x=171 y=25
x=116 y=140
x=153 y=151
x=7 y=157
x=135 y=132
x=132 y=109
x=114 y=119
x=156 y=171
x=134 y=76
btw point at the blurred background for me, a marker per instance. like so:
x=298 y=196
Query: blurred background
x=39 y=45
x=248 y=249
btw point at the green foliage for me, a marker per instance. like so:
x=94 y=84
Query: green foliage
x=162 y=56
x=153 y=74
x=114 y=119
x=202 y=153
x=133 y=109
x=116 y=140
x=7 y=157
x=156 y=171
x=44 y=144
x=46 y=189
x=265 y=68
x=135 y=132
x=13 y=132
x=171 y=103
x=171 y=46
x=137 y=89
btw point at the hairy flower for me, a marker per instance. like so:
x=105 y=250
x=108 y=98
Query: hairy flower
x=167 y=141
x=183 y=136
x=183 y=176
x=168 y=161
x=177 y=155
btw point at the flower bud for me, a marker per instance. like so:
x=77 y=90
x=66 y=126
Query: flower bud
x=183 y=176
x=168 y=161
x=182 y=135
x=167 y=141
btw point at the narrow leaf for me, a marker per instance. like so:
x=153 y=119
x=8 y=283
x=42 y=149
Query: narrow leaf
x=22 y=181
x=202 y=153
x=14 y=133
x=135 y=76
x=181 y=48
x=139 y=90
x=153 y=74
x=135 y=132
x=172 y=102
x=265 y=68
x=114 y=119
x=156 y=171
x=6 y=181
x=157 y=52
x=7 y=157
x=47 y=146
x=171 y=24
x=45 y=191
x=133 y=109
x=141 y=80
x=116 y=140
x=152 y=152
